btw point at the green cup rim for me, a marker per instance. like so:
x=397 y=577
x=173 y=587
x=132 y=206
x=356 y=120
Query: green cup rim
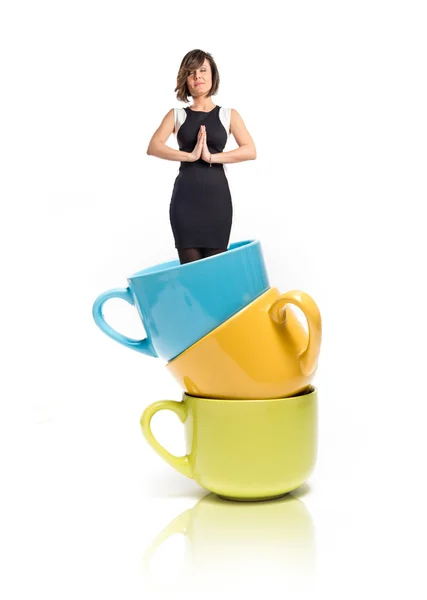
x=310 y=391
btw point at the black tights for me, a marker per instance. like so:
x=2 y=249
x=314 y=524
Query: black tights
x=187 y=255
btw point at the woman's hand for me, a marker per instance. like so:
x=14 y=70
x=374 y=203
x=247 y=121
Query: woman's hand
x=206 y=155
x=195 y=155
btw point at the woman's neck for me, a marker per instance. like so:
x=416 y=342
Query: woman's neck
x=202 y=106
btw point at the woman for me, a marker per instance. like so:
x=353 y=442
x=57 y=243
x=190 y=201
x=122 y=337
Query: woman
x=201 y=209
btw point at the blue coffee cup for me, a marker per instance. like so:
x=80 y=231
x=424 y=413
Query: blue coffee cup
x=179 y=304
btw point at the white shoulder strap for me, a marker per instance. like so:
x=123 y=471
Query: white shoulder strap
x=180 y=116
x=225 y=118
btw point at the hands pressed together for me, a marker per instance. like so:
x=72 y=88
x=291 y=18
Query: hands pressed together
x=201 y=149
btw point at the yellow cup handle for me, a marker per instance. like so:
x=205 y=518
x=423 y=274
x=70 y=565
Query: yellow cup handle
x=310 y=355
x=180 y=463
x=178 y=525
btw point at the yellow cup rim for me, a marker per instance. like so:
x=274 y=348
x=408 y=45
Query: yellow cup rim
x=271 y=291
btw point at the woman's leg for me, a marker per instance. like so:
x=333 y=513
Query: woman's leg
x=212 y=251
x=187 y=255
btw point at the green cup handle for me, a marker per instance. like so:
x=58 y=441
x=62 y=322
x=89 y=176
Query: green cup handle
x=178 y=525
x=180 y=463
x=310 y=355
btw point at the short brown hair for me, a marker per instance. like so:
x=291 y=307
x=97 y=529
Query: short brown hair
x=193 y=60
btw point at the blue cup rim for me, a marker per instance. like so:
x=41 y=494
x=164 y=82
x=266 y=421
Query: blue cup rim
x=175 y=264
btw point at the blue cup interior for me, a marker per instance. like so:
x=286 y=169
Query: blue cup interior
x=175 y=263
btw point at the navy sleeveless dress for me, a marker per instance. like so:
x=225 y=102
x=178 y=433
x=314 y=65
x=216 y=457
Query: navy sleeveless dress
x=201 y=208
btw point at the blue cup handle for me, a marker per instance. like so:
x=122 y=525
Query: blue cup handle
x=145 y=346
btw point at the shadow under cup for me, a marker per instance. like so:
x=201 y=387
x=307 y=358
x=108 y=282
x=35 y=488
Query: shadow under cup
x=243 y=449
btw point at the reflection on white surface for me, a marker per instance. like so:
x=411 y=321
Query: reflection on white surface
x=233 y=543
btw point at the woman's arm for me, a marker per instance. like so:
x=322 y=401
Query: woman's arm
x=246 y=149
x=157 y=146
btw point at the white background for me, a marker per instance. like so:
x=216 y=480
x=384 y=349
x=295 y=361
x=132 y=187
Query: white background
x=334 y=95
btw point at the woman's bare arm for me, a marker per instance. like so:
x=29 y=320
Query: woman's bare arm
x=157 y=146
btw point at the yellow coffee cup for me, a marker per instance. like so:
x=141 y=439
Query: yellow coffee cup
x=243 y=449
x=263 y=351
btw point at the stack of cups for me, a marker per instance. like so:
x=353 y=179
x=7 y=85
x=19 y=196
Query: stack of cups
x=245 y=364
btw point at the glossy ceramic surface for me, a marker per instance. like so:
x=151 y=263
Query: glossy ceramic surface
x=179 y=304
x=243 y=449
x=261 y=352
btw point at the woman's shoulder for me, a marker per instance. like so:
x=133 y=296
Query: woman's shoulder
x=179 y=111
x=179 y=117
x=228 y=112
x=225 y=118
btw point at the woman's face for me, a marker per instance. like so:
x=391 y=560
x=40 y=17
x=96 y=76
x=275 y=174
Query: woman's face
x=199 y=81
